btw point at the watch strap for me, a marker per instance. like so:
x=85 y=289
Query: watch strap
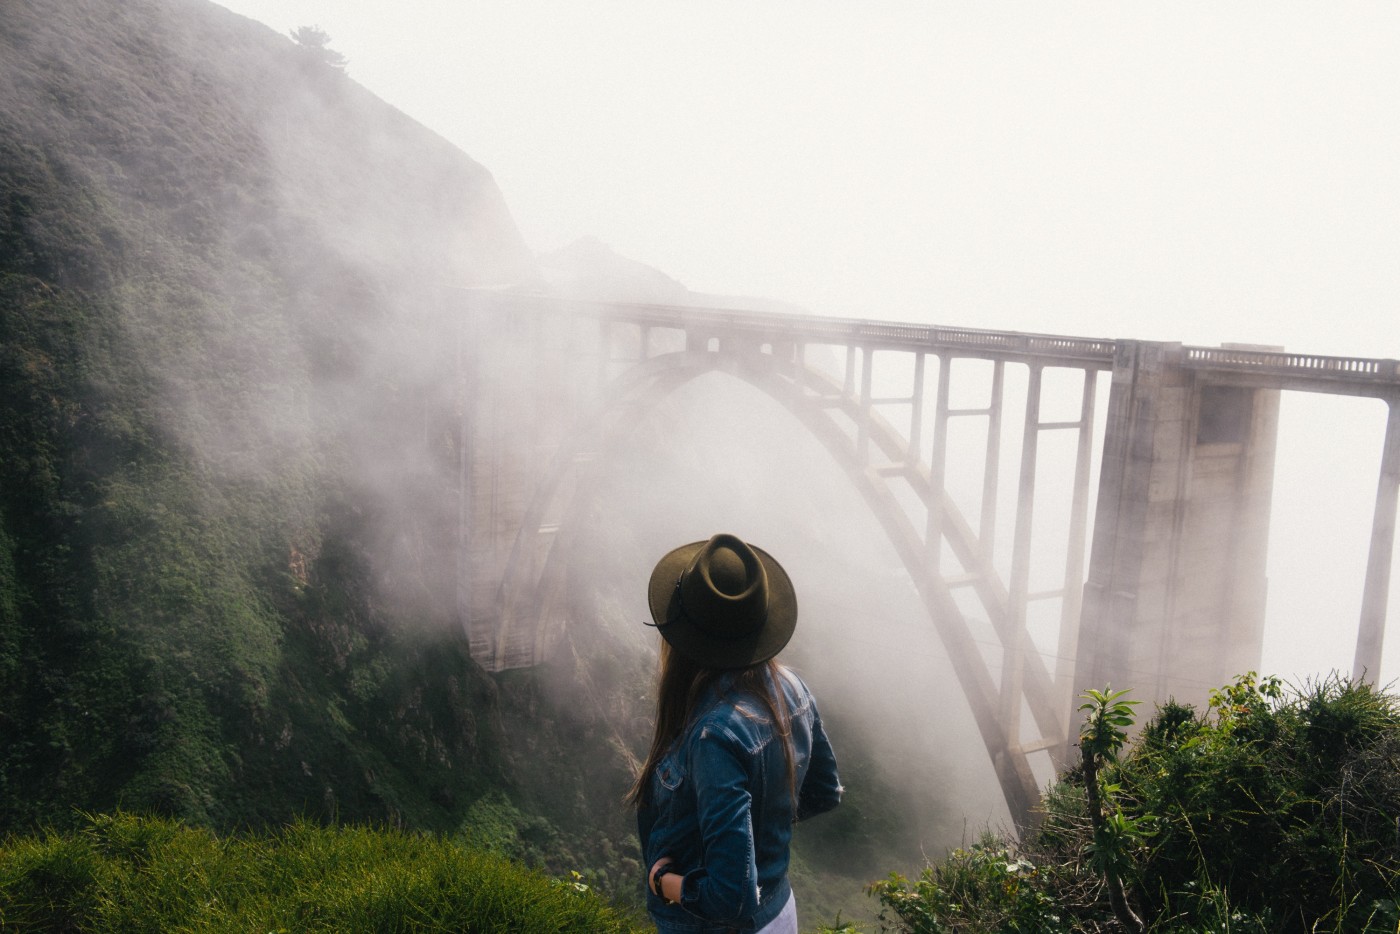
x=665 y=870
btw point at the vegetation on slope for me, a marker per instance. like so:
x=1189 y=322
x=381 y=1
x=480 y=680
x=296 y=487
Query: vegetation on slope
x=125 y=873
x=220 y=488
x=1273 y=812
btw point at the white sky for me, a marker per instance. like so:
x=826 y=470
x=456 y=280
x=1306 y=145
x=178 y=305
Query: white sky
x=1192 y=171
x=1202 y=172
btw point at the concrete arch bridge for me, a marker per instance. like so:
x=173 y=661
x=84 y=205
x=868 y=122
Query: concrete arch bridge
x=1171 y=594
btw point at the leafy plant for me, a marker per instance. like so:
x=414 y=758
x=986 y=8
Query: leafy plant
x=1273 y=813
x=985 y=887
x=1116 y=835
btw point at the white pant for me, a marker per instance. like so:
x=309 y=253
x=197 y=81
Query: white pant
x=785 y=922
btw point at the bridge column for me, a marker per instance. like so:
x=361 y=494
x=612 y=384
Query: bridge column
x=518 y=365
x=1013 y=657
x=1174 y=601
x=1371 y=632
x=933 y=537
x=991 y=468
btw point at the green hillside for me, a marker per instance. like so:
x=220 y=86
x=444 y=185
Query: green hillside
x=229 y=470
x=225 y=375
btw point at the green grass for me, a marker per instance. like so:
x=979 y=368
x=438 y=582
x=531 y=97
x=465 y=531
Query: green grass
x=122 y=872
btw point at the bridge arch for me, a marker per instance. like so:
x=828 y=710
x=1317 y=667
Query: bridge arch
x=536 y=572
x=529 y=366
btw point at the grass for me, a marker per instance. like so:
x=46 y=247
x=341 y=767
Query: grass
x=123 y=872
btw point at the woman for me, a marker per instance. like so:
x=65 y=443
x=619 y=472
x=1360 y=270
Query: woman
x=739 y=753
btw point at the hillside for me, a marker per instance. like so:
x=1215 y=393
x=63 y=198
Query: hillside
x=229 y=470
x=225 y=355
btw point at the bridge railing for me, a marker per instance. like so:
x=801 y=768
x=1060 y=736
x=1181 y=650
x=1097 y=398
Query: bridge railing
x=1374 y=375
x=1279 y=364
x=895 y=335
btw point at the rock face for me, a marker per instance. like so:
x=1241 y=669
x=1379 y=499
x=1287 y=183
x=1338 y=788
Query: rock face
x=227 y=456
x=220 y=126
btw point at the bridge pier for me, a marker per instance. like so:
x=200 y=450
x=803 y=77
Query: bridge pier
x=1174 y=601
x=1371 y=632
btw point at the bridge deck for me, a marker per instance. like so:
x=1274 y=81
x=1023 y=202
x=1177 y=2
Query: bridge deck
x=1263 y=368
x=1095 y=353
x=1277 y=369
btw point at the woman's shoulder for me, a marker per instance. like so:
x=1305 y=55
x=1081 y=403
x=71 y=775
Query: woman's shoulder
x=795 y=690
x=725 y=724
x=736 y=708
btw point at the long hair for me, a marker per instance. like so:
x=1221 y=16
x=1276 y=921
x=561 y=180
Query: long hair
x=681 y=685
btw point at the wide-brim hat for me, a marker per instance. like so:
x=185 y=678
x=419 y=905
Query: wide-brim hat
x=723 y=603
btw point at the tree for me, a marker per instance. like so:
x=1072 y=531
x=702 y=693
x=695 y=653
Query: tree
x=315 y=44
x=1100 y=738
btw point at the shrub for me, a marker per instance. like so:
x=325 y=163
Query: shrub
x=1273 y=812
x=987 y=886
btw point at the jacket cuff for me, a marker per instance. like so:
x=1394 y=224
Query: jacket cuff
x=690 y=890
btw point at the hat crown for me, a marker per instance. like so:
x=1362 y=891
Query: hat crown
x=727 y=572
x=724 y=592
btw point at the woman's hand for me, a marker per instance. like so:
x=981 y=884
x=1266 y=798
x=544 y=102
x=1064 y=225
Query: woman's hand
x=670 y=889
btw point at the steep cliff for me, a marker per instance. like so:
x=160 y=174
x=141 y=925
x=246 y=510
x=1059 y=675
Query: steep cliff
x=226 y=463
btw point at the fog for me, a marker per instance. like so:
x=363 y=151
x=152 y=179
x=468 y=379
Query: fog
x=734 y=459
x=1198 y=173
x=1195 y=173
x=1189 y=173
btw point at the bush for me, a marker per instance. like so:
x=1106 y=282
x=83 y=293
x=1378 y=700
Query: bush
x=1273 y=812
x=985 y=887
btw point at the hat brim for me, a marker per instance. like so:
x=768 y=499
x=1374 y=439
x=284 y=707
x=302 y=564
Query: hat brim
x=701 y=647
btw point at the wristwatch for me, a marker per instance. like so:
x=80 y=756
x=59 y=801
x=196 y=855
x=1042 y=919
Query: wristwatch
x=664 y=869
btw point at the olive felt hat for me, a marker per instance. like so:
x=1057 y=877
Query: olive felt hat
x=723 y=603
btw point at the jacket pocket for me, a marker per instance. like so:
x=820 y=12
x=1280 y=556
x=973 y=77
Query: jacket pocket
x=669 y=772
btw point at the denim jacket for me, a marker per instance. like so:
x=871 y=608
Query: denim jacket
x=720 y=807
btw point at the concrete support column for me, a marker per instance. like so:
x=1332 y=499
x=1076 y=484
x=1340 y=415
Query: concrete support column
x=867 y=361
x=933 y=538
x=1371 y=632
x=1174 y=602
x=916 y=413
x=1015 y=638
x=1071 y=605
x=991 y=467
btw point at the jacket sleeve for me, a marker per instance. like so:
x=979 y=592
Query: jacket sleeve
x=725 y=888
x=821 y=788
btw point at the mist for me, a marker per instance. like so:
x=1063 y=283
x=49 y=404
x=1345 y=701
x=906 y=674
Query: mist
x=1197 y=175
x=717 y=455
